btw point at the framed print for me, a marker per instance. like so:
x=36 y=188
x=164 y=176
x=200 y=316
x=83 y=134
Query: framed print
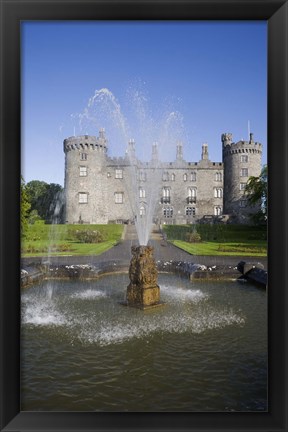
x=37 y=58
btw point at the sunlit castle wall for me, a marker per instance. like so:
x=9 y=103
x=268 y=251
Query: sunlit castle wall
x=100 y=189
x=241 y=160
x=85 y=173
x=190 y=190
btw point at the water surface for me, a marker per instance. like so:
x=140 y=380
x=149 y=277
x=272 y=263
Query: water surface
x=205 y=350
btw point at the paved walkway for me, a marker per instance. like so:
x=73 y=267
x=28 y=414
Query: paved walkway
x=163 y=251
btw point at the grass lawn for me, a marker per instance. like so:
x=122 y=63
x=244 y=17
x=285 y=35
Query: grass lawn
x=220 y=240
x=41 y=239
x=222 y=249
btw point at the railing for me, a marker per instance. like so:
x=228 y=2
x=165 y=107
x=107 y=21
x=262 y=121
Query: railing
x=191 y=200
x=165 y=200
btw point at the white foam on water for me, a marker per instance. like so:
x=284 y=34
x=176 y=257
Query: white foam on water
x=41 y=312
x=178 y=322
x=184 y=294
x=89 y=294
x=187 y=310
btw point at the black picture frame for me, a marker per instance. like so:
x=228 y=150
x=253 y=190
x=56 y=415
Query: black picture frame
x=275 y=12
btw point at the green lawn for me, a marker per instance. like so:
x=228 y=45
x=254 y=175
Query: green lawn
x=41 y=239
x=220 y=240
x=222 y=249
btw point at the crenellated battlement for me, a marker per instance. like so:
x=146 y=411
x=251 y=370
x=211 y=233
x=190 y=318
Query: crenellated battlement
x=229 y=147
x=86 y=143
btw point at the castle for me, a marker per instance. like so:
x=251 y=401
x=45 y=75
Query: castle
x=98 y=188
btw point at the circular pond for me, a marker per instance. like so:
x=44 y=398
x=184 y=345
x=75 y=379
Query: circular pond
x=205 y=350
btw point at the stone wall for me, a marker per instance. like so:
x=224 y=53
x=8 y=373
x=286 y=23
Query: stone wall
x=241 y=160
x=99 y=188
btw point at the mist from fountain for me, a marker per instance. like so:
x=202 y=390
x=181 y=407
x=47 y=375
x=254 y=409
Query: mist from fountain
x=104 y=111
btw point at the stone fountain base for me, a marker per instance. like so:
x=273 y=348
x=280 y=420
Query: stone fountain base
x=143 y=292
x=143 y=297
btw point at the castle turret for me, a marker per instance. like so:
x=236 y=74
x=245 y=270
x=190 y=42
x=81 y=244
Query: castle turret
x=241 y=161
x=85 y=157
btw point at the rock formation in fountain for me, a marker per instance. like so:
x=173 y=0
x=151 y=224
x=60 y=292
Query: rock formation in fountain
x=143 y=291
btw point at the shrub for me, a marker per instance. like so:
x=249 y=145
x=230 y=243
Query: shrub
x=193 y=237
x=88 y=236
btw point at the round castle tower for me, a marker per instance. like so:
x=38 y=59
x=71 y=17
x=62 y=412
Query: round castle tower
x=84 y=174
x=241 y=161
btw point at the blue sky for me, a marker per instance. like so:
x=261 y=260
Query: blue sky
x=163 y=81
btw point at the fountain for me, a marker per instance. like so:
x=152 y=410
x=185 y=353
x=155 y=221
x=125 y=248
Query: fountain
x=143 y=291
x=82 y=351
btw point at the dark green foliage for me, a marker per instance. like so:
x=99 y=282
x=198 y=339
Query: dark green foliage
x=47 y=200
x=25 y=207
x=33 y=217
x=257 y=193
x=218 y=233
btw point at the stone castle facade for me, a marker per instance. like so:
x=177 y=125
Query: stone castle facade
x=98 y=188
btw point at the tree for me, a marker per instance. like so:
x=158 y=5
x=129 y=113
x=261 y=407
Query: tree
x=36 y=189
x=47 y=200
x=25 y=206
x=257 y=192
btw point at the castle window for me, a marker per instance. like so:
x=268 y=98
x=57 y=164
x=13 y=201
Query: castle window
x=244 y=172
x=244 y=158
x=118 y=197
x=218 y=192
x=83 y=171
x=185 y=177
x=119 y=173
x=190 y=211
x=193 y=176
x=173 y=177
x=83 y=156
x=217 y=210
x=165 y=176
x=142 y=176
x=83 y=198
x=218 y=176
x=165 y=195
x=168 y=212
x=142 y=210
x=192 y=193
x=142 y=193
x=242 y=186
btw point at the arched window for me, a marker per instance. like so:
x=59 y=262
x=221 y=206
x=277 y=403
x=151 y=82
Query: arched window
x=165 y=176
x=166 y=195
x=193 y=176
x=142 y=210
x=142 y=176
x=218 y=192
x=142 y=193
x=217 y=211
x=218 y=176
x=185 y=177
x=192 y=193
